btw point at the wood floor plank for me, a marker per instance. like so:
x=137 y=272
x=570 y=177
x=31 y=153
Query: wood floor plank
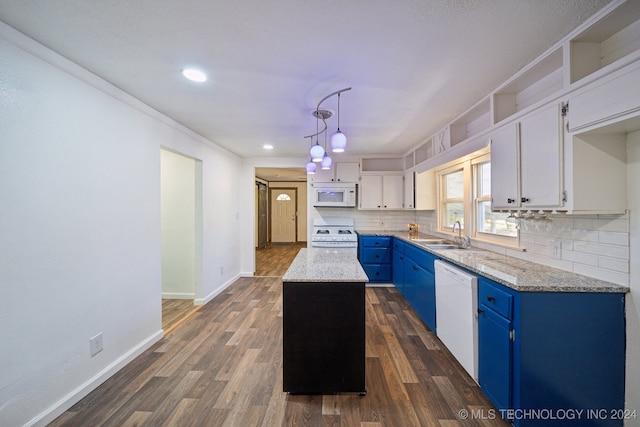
x=223 y=366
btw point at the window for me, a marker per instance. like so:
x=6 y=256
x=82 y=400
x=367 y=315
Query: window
x=465 y=196
x=453 y=198
x=283 y=197
x=487 y=221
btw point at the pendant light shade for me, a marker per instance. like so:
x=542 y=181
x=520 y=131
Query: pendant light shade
x=338 y=142
x=326 y=162
x=317 y=153
x=311 y=167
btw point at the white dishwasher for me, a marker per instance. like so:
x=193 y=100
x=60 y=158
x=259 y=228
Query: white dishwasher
x=456 y=314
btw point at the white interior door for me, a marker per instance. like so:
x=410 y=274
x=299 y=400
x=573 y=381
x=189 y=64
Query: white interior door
x=283 y=215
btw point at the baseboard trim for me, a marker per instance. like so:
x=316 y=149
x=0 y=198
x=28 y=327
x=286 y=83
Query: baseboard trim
x=217 y=291
x=66 y=402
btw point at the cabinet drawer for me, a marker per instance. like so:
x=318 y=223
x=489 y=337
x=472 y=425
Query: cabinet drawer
x=376 y=241
x=421 y=257
x=378 y=272
x=375 y=255
x=491 y=296
x=398 y=246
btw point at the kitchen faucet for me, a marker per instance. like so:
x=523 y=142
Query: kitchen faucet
x=466 y=241
x=458 y=239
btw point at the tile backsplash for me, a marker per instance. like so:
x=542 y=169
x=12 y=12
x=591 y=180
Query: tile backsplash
x=592 y=245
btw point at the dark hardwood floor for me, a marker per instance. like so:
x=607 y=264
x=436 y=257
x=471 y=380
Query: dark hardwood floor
x=223 y=367
x=274 y=260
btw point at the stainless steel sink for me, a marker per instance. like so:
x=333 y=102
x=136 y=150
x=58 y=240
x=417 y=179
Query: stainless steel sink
x=444 y=246
x=430 y=241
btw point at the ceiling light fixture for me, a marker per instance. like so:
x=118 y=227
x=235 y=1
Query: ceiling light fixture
x=326 y=161
x=318 y=153
x=338 y=139
x=194 y=75
x=311 y=166
x=267 y=147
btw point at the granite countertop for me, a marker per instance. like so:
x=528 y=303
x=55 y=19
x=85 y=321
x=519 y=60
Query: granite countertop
x=325 y=265
x=517 y=274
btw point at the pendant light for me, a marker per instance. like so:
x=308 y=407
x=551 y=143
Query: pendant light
x=338 y=139
x=326 y=160
x=317 y=153
x=311 y=166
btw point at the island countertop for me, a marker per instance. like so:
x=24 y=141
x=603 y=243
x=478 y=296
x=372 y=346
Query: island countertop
x=325 y=265
x=517 y=274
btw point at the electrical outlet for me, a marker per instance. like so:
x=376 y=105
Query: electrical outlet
x=95 y=344
x=556 y=249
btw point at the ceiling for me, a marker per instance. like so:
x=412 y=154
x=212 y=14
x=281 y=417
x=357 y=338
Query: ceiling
x=413 y=65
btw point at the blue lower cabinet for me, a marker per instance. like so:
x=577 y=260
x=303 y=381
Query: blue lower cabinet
x=374 y=253
x=397 y=265
x=378 y=273
x=552 y=358
x=420 y=291
x=495 y=355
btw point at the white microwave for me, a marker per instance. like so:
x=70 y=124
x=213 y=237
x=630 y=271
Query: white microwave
x=334 y=194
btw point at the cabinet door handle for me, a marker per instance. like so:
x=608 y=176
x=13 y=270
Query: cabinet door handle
x=480 y=311
x=385 y=206
x=491 y=299
x=377 y=256
x=511 y=200
x=524 y=200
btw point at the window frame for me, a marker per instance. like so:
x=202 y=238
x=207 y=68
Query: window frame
x=468 y=164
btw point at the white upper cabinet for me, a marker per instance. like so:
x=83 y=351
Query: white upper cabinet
x=340 y=172
x=541 y=137
x=526 y=162
x=409 y=190
x=505 y=167
x=612 y=96
x=381 y=192
x=425 y=190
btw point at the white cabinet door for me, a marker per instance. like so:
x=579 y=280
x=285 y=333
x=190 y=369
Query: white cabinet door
x=541 y=136
x=612 y=96
x=322 y=175
x=409 y=188
x=347 y=172
x=505 y=168
x=371 y=192
x=425 y=188
x=392 y=191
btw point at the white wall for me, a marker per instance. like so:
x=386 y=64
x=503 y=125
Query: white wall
x=178 y=225
x=80 y=227
x=633 y=299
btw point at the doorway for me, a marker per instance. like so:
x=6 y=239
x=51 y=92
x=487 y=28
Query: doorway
x=284 y=214
x=181 y=234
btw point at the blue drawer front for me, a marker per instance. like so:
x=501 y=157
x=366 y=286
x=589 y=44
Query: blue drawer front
x=375 y=255
x=421 y=257
x=378 y=272
x=491 y=295
x=375 y=241
x=398 y=246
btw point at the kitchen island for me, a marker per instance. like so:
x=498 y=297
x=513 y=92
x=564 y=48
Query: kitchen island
x=324 y=323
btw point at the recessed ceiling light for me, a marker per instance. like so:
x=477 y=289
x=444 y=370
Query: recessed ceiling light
x=194 y=75
x=267 y=147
